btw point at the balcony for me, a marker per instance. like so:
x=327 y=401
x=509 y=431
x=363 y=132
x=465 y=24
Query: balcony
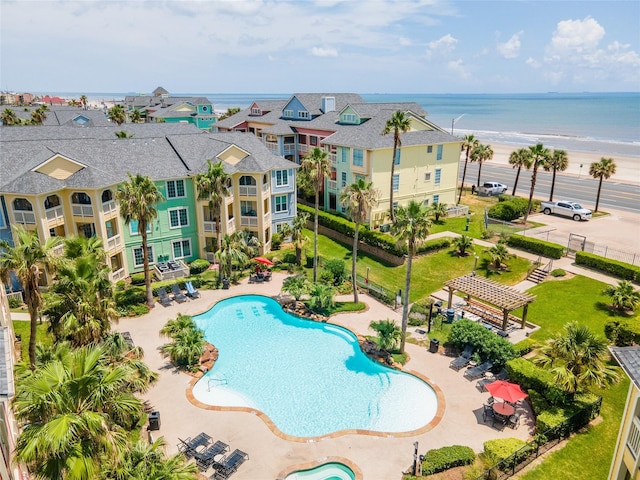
x=117 y=275
x=267 y=219
x=248 y=221
x=231 y=226
x=54 y=214
x=265 y=187
x=82 y=210
x=109 y=207
x=332 y=159
x=114 y=242
x=58 y=250
x=170 y=270
x=209 y=227
x=303 y=149
x=272 y=146
x=24 y=217
x=332 y=185
x=247 y=190
x=289 y=149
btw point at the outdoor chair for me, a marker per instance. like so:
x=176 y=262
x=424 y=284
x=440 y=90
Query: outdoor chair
x=165 y=300
x=189 y=446
x=178 y=296
x=464 y=358
x=478 y=371
x=514 y=421
x=229 y=464
x=205 y=458
x=191 y=290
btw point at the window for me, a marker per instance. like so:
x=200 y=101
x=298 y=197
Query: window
x=439 y=154
x=247 y=180
x=287 y=113
x=429 y=148
x=344 y=179
x=396 y=160
x=427 y=177
x=313 y=140
x=110 y=227
x=80 y=198
x=633 y=440
x=437 y=177
x=22 y=204
x=348 y=118
x=281 y=203
x=282 y=178
x=436 y=199
x=425 y=202
x=247 y=209
x=86 y=230
x=133 y=227
x=396 y=182
x=107 y=196
x=345 y=154
x=51 y=201
x=395 y=206
x=303 y=114
x=138 y=260
x=360 y=177
x=175 y=189
x=357 y=157
x=181 y=248
x=255 y=111
x=178 y=217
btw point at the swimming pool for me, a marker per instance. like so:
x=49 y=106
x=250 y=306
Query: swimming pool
x=309 y=378
x=326 y=471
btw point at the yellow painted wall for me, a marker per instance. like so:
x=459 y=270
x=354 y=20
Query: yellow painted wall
x=622 y=456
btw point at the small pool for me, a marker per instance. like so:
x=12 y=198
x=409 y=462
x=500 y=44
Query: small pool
x=311 y=379
x=327 y=471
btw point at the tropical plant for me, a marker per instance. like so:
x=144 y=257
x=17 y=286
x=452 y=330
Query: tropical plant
x=233 y=249
x=117 y=114
x=358 y=198
x=499 y=254
x=28 y=259
x=539 y=157
x=518 y=159
x=297 y=234
x=558 y=162
x=9 y=118
x=411 y=229
x=296 y=286
x=480 y=154
x=39 y=115
x=462 y=244
x=438 y=211
x=135 y=116
x=316 y=167
x=577 y=358
x=469 y=143
x=83 y=101
x=181 y=323
x=186 y=348
x=321 y=296
x=230 y=112
x=213 y=186
x=398 y=123
x=602 y=170
x=138 y=199
x=388 y=333
x=623 y=296
x=123 y=134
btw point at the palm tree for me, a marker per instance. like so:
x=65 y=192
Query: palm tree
x=297 y=234
x=117 y=114
x=123 y=134
x=481 y=153
x=138 y=199
x=470 y=142
x=187 y=347
x=439 y=210
x=230 y=111
x=359 y=198
x=28 y=259
x=321 y=296
x=602 y=170
x=388 y=333
x=499 y=254
x=233 y=249
x=182 y=322
x=39 y=115
x=623 y=296
x=577 y=359
x=411 y=228
x=213 y=185
x=9 y=118
x=539 y=157
x=462 y=244
x=316 y=167
x=398 y=123
x=83 y=101
x=518 y=159
x=296 y=286
x=135 y=116
x=558 y=162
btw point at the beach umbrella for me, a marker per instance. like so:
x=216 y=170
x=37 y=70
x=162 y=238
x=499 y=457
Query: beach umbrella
x=264 y=261
x=507 y=391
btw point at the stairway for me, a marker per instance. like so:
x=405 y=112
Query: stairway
x=538 y=275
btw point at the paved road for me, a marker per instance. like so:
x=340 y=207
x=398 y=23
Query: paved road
x=583 y=189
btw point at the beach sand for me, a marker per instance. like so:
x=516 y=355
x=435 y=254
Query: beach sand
x=627 y=168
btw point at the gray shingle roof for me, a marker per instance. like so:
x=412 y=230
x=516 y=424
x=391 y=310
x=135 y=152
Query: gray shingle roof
x=629 y=360
x=273 y=107
x=63 y=115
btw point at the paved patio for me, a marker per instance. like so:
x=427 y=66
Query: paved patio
x=270 y=455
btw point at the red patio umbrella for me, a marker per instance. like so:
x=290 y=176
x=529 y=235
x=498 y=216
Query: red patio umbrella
x=507 y=391
x=264 y=261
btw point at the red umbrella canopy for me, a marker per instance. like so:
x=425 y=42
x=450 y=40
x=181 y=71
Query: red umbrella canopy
x=507 y=391
x=264 y=261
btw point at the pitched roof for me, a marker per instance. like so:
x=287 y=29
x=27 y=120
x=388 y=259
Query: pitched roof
x=629 y=360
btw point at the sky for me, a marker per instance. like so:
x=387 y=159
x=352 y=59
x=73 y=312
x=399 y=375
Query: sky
x=284 y=46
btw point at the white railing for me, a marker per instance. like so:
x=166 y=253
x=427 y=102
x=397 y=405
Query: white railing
x=17 y=295
x=248 y=221
x=117 y=275
x=209 y=227
x=55 y=213
x=289 y=148
x=82 y=210
x=267 y=218
x=109 y=207
x=272 y=146
x=332 y=158
x=58 y=250
x=247 y=191
x=265 y=187
x=332 y=184
x=303 y=148
x=24 y=217
x=633 y=440
x=210 y=256
x=231 y=226
x=114 y=242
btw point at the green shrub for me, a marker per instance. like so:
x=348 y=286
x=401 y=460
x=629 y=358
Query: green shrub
x=137 y=310
x=622 y=334
x=15 y=302
x=525 y=346
x=325 y=276
x=337 y=269
x=533 y=245
x=622 y=270
x=487 y=344
x=441 y=459
x=501 y=449
x=137 y=278
x=289 y=258
x=538 y=403
x=558 y=272
x=532 y=377
x=503 y=211
x=434 y=245
x=276 y=241
x=130 y=296
x=121 y=285
x=198 y=266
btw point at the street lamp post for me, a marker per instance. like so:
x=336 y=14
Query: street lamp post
x=475 y=263
x=415 y=458
x=454 y=120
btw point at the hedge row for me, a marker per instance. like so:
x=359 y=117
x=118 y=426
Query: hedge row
x=547 y=249
x=486 y=344
x=560 y=417
x=622 y=334
x=434 y=245
x=373 y=238
x=502 y=450
x=531 y=377
x=441 y=459
x=623 y=270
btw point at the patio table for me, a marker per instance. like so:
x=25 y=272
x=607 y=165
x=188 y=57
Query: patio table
x=503 y=409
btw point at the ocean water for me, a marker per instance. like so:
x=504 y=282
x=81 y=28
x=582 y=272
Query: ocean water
x=589 y=122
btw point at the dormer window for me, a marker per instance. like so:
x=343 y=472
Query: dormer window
x=255 y=111
x=348 y=118
x=287 y=113
x=303 y=114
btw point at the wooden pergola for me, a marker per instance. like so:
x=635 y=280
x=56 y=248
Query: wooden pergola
x=501 y=296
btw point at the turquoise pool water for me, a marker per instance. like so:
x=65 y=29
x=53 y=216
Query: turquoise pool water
x=310 y=378
x=326 y=471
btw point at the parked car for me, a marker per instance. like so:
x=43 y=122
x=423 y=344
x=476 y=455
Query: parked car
x=492 y=188
x=566 y=208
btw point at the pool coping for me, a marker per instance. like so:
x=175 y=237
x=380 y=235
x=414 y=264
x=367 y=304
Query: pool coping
x=309 y=465
x=276 y=431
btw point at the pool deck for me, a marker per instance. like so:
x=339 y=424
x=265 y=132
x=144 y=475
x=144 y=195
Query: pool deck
x=270 y=455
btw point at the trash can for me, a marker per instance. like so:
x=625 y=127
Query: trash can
x=434 y=344
x=451 y=315
x=225 y=284
x=154 y=421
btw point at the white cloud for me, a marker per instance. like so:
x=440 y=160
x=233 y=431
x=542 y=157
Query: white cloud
x=324 y=52
x=577 y=36
x=510 y=48
x=404 y=41
x=532 y=62
x=442 y=47
x=458 y=68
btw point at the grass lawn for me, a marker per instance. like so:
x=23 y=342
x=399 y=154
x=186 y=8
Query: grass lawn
x=23 y=328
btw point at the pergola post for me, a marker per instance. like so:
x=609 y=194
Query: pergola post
x=505 y=319
x=450 y=300
x=524 y=315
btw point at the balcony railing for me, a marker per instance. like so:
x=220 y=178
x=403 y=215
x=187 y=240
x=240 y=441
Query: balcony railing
x=82 y=210
x=117 y=275
x=109 y=207
x=210 y=256
x=114 y=242
x=272 y=146
x=302 y=149
x=267 y=219
x=231 y=226
x=58 y=250
x=169 y=270
x=332 y=185
x=265 y=187
x=55 y=213
x=332 y=158
x=247 y=191
x=289 y=149
x=248 y=221
x=25 y=217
